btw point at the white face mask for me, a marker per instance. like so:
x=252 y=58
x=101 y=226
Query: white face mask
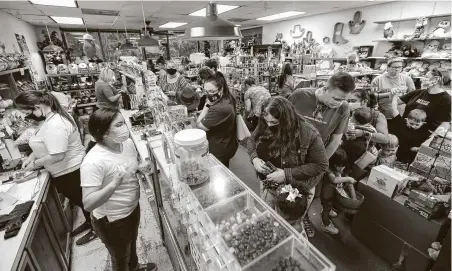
x=354 y=106
x=119 y=134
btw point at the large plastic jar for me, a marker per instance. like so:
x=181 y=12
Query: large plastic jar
x=191 y=148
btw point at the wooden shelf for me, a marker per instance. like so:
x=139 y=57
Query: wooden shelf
x=12 y=71
x=85 y=105
x=403 y=40
x=412 y=18
x=72 y=74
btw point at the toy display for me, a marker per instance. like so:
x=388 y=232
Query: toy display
x=409 y=51
x=297 y=32
x=441 y=30
x=419 y=29
x=388 y=31
x=337 y=34
x=431 y=49
x=395 y=51
x=357 y=24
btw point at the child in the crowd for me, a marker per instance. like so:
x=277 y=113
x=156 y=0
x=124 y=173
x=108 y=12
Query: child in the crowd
x=387 y=154
x=333 y=178
x=412 y=132
x=355 y=147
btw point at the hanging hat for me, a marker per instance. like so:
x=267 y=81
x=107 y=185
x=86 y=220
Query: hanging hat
x=88 y=37
x=189 y=98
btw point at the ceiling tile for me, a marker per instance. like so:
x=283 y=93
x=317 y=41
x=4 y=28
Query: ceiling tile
x=60 y=11
x=99 y=18
x=104 y=5
x=31 y=11
x=33 y=17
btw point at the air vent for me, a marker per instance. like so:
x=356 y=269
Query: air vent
x=89 y=11
x=238 y=20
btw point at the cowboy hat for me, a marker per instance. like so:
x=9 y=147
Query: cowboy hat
x=88 y=37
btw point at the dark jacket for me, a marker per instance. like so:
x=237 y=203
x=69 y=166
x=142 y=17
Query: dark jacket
x=305 y=165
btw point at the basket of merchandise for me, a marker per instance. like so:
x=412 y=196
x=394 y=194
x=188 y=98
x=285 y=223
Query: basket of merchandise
x=350 y=200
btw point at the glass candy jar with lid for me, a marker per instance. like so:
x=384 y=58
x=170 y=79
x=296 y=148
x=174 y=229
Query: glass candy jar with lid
x=191 y=148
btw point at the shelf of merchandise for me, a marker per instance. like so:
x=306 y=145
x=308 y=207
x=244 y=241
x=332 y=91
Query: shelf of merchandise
x=13 y=71
x=412 y=18
x=404 y=40
x=71 y=74
x=85 y=105
x=409 y=58
x=76 y=90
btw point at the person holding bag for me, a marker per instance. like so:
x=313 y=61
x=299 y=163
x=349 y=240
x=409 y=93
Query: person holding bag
x=283 y=139
x=218 y=118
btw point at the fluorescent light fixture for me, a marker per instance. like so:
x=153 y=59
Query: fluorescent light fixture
x=280 y=15
x=67 y=20
x=172 y=25
x=220 y=8
x=59 y=3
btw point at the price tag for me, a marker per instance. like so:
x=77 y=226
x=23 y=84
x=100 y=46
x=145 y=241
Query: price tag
x=22 y=71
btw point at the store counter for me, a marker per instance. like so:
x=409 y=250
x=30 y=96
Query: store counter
x=43 y=242
x=389 y=229
x=194 y=221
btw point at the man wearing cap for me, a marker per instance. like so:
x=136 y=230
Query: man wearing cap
x=90 y=49
x=327 y=110
x=391 y=82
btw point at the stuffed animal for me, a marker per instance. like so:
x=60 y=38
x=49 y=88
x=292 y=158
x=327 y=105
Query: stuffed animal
x=445 y=51
x=419 y=29
x=395 y=51
x=446 y=65
x=441 y=30
x=406 y=48
x=388 y=31
x=414 y=68
x=278 y=38
x=434 y=65
x=431 y=49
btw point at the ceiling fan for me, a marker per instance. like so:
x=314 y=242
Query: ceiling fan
x=151 y=30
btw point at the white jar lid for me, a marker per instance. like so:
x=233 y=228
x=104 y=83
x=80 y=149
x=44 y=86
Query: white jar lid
x=190 y=137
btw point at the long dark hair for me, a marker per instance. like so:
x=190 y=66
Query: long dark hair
x=219 y=81
x=29 y=99
x=286 y=70
x=287 y=135
x=99 y=124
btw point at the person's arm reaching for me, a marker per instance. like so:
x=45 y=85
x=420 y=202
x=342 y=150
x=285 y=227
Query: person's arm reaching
x=108 y=92
x=333 y=144
x=382 y=130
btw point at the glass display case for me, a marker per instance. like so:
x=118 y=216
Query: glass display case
x=223 y=225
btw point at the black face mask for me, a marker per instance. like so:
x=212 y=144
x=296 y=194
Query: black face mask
x=171 y=71
x=32 y=116
x=213 y=98
x=273 y=129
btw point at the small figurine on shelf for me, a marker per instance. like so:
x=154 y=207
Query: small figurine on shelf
x=445 y=51
x=431 y=49
x=388 y=31
x=419 y=29
x=441 y=30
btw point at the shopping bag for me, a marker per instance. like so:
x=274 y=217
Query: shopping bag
x=242 y=129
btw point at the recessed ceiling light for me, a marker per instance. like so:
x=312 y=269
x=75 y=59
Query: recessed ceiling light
x=220 y=8
x=238 y=25
x=67 y=20
x=280 y=15
x=59 y=3
x=171 y=25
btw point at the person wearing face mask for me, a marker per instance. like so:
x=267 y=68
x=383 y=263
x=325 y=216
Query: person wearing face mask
x=57 y=147
x=360 y=99
x=173 y=82
x=107 y=96
x=160 y=65
x=111 y=189
x=411 y=131
x=431 y=98
x=327 y=110
x=293 y=146
x=218 y=118
x=389 y=83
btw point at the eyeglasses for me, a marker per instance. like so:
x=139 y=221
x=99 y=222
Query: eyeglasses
x=396 y=68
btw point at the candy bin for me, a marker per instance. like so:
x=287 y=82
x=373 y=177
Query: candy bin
x=191 y=149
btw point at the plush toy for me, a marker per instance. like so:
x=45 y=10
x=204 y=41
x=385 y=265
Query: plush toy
x=278 y=38
x=388 y=31
x=395 y=51
x=431 y=49
x=445 y=65
x=434 y=65
x=441 y=30
x=414 y=68
x=419 y=29
x=406 y=48
x=445 y=51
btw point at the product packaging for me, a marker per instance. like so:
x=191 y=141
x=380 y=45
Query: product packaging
x=387 y=180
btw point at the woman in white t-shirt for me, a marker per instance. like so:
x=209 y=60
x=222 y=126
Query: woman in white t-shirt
x=110 y=188
x=57 y=147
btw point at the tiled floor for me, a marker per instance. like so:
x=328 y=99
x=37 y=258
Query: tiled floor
x=343 y=250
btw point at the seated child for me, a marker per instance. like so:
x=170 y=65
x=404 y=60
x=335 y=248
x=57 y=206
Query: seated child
x=332 y=179
x=412 y=132
x=355 y=147
x=387 y=154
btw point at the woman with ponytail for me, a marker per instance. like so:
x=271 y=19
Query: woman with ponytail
x=218 y=118
x=58 y=148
